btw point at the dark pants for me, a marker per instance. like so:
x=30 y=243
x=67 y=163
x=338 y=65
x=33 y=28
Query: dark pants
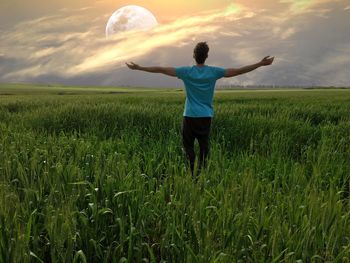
x=196 y=128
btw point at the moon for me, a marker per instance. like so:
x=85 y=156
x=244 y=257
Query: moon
x=131 y=17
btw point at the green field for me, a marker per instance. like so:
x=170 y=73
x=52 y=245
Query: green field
x=98 y=175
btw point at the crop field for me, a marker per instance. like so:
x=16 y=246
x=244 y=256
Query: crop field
x=98 y=175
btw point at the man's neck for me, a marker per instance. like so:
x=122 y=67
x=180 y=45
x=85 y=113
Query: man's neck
x=200 y=65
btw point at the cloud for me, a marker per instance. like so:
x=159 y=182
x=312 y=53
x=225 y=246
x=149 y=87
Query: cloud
x=308 y=6
x=70 y=46
x=72 y=53
x=136 y=44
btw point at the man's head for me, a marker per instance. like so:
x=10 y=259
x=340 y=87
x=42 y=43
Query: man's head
x=200 y=52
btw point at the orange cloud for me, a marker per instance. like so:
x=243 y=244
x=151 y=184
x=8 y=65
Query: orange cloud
x=74 y=53
x=132 y=45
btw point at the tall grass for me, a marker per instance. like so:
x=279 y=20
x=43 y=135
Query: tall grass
x=102 y=178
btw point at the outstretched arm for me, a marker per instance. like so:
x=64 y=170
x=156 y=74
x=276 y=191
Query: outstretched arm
x=167 y=71
x=231 y=72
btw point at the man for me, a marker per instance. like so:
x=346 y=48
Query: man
x=199 y=83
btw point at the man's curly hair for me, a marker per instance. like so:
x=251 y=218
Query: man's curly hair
x=201 y=52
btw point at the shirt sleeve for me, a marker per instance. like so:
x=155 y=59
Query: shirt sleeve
x=219 y=72
x=181 y=72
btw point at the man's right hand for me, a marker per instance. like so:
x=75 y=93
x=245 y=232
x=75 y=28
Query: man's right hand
x=133 y=66
x=266 y=61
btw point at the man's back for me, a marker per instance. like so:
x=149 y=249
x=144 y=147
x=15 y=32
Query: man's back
x=200 y=84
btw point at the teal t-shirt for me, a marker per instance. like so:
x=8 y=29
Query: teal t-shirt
x=199 y=84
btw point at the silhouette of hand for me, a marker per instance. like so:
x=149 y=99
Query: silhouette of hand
x=267 y=61
x=132 y=66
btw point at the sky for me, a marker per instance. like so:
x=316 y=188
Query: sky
x=61 y=41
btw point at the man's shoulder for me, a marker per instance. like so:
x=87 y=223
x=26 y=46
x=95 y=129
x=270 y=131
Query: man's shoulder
x=218 y=72
x=182 y=72
x=215 y=67
x=184 y=67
